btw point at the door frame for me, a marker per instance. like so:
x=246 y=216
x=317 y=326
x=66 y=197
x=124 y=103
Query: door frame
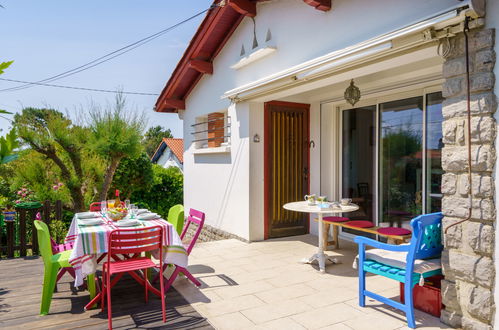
x=267 y=157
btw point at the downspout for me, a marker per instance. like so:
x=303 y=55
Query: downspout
x=468 y=97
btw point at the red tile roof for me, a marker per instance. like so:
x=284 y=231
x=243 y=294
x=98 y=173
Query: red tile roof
x=177 y=147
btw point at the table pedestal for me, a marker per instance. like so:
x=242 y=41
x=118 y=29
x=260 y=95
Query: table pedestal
x=320 y=256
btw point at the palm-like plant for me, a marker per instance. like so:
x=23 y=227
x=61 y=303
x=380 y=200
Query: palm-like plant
x=116 y=134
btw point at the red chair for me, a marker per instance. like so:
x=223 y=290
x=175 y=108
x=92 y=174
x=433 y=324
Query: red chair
x=196 y=217
x=132 y=241
x=95 y=207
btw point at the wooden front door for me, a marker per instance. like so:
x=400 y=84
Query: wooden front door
x=286 y=167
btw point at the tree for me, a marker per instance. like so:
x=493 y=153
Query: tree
x=116 y=134
x=153 y=137
x=49 y=133
x=8 y=143
x=133 y=174
x=166 y=190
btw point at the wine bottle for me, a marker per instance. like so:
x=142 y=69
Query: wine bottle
x=117 y=202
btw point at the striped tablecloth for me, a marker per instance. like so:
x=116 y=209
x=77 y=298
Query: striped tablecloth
x=89 y=242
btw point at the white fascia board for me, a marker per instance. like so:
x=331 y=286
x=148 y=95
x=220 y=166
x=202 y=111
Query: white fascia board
x=360 y=51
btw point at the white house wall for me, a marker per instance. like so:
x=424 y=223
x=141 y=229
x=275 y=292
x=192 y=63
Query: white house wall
x=220 y=184
x=168 y=159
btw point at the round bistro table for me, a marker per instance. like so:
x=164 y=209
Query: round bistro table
x=303 y=206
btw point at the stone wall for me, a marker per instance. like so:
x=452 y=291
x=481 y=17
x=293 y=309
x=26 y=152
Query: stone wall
x=209 y=233
x=467 y=291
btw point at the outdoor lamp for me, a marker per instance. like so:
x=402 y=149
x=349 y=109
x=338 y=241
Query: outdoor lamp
x=352 y=93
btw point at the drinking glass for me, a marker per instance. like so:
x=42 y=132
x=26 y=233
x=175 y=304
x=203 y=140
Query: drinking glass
x=110 y=203
x=127 y=204
x=133 y=210
x=103 y=207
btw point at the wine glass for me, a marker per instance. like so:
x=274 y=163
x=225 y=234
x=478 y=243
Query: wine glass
x=103 y=207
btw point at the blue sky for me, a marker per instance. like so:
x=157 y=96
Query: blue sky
x=45 y=38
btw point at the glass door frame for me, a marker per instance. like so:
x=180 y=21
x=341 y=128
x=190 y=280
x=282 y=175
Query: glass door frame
x=338 y=108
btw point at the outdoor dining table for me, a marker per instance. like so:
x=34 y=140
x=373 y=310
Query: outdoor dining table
x=303 y=206
x=91 y=241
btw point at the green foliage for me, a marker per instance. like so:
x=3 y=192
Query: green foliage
x=5 y=65
x=153 y=137
x=115 y=131
x=133 y=174
x=115 y=134
x=58 y=230
x=8 y=144
x=166 y=191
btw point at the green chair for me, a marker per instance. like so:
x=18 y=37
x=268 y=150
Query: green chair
x=52 y=263
x=176 y=217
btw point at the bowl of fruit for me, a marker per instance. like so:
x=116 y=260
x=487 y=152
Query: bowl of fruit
x=117 y=213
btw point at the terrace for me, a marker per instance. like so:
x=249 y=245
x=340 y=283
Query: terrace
x=259 y=285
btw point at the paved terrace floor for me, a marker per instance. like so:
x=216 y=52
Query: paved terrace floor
x=262 y=285
x=20 y=293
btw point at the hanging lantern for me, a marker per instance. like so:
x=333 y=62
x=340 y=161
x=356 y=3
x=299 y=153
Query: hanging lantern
x=352 y=93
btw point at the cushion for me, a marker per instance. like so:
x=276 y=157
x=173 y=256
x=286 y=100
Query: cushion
x=398 y=259
x=335 y=219
x=360 y=224
x=394 y=231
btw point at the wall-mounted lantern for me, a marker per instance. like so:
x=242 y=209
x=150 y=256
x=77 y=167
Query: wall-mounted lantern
x=352 y=93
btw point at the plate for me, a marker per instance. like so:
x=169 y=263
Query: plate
x=90 y=222
x=87 y=215
x=127 y=223
x=140 y=211
x=148 y=216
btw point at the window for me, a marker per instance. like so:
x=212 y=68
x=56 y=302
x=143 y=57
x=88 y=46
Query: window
x=390 y=156
x=212 y=130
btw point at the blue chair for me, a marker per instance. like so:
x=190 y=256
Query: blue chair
x=409 y=263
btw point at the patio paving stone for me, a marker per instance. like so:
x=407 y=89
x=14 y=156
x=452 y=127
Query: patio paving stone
x=263 y=285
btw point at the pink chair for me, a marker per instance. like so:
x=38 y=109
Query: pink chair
x=58 y=248
x=196 y=217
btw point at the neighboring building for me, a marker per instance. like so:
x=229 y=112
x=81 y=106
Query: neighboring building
x=170 y=153
x=261 y=90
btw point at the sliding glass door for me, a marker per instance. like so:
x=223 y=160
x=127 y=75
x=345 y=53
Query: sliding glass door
x=391 y=159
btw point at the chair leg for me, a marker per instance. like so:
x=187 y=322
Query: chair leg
x=103 y=291
x=172 y=278
x=146 y=283
x=325 y=236
x=362 y=286
x=409 y=306
x=162 y=293
x=49 y=280
x=159 y=273
x=336 y=231
x=109 y=312
x=190 y=277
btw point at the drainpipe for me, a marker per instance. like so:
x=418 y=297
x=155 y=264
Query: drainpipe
x=468 y=97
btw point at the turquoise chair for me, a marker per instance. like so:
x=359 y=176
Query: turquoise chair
x=52 y=263
x=176 y=217
x=409 y=264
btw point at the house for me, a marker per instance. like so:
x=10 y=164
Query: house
x=170 y=152
x=360 y=99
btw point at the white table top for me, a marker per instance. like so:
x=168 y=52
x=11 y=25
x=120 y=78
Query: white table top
x=304 y=207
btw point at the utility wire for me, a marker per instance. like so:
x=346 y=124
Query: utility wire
x=106 y=57
x=74 y=87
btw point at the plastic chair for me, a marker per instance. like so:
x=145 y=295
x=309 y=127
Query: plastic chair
x=196 y=217
x=176 y=217
x=52 y=264
x=58 y=248
x=132 y=241
x=407 y=264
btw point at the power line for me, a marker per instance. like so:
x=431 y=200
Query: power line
x=107 y=57
x=74 y=87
